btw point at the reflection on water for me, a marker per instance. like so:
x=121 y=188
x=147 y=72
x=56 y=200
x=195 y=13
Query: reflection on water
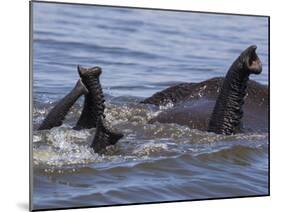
x=141 y=52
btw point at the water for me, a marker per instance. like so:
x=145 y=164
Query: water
x=141 y=52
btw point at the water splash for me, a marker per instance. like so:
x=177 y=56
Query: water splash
x=63 y=148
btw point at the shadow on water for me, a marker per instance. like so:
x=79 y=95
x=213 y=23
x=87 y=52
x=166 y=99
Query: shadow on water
x=23 y=206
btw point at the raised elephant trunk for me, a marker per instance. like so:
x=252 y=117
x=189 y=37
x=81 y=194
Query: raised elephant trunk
x=93 y=111
x=94 y=100
x=56 y=116
x=227 y=114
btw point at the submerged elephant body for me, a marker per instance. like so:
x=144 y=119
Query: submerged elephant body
x=228 y=105
x=193 y=104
